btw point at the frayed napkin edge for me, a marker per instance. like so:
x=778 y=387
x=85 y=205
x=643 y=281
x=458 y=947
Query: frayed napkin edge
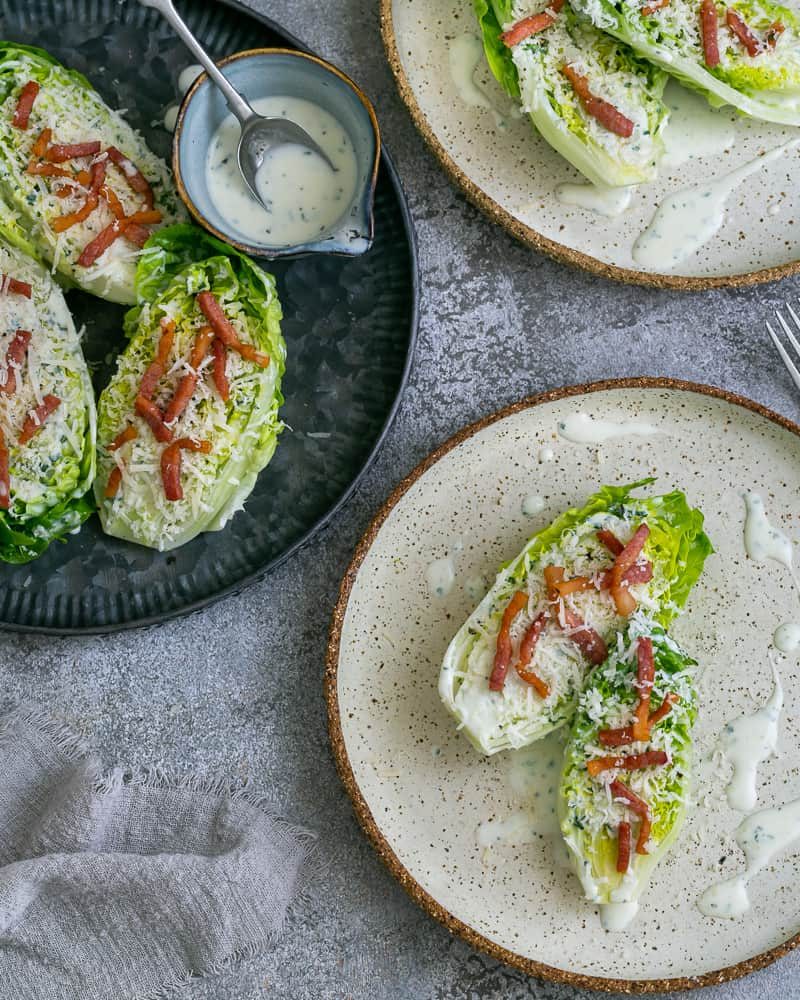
x=74 y=747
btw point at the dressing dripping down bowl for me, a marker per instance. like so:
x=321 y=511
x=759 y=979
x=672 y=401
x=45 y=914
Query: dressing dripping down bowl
x=300 y=79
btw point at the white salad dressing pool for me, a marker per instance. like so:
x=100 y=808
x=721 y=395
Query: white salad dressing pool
x=532 y=505
x=690 y=217
x=533 y=778
x=306 y=198
x=441 y=575
x=746 y=743
x=787 y=637
x=617 y=916
x=582 y=428
x=171 y=118
x=475 y=587
x=694 y=129
x=546 y=454
x=518 y=828
x=188 y=76
x=465 y=55
x=762 y=837
x=762 y=541
x=608 y=201
x=185 y=81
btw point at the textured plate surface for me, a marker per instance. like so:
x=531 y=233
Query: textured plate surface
x=349 y=325
x=420 y=790
x=511 y=173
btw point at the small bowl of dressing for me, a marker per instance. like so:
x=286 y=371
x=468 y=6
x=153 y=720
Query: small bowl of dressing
x=311 y=208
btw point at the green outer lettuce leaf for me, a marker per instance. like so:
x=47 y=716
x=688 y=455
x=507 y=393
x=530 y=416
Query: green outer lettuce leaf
x=49 y=479
x=176 y=265
x=556 y=112
x=766 y=86
x=677 y=547
x=592 y=842
x=498 y=55
x=68 y=100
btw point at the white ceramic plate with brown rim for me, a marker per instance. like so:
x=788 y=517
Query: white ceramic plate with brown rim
x=421 y=792
x=512 y=174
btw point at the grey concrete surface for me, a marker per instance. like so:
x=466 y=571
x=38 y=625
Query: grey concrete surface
x=237 y=689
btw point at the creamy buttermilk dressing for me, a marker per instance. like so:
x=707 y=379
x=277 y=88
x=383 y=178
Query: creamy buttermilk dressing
x=787 y=637
x=305 y=199
x=185 y=81
x=694 y=130
x=690 y=217
x=441 y=575
x=762 y=541
x=748 y=742
x=762 y=837
x=616 y=917
x=532 y=505
x=533 y=776
x=582 y=428
x=464 y=56
x=608 y=201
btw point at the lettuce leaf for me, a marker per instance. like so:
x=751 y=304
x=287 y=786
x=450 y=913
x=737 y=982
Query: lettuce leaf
x=588 y=817
x=177 y=264
x=51 y=474
x=677 y=548
x=75 y=111
x=531 y=72
x=765 y=86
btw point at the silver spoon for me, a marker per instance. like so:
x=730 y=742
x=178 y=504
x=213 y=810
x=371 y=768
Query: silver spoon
x=259 y=134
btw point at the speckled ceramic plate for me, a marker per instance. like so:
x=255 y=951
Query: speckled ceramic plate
x=350 y=327
x=423 y=795
x=511 y=173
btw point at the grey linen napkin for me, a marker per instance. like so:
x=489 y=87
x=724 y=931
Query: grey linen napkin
x=121 y=887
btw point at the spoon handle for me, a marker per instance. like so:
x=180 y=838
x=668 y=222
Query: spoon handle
x=238 y=105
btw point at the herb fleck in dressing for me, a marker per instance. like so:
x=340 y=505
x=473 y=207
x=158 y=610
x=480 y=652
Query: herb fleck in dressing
x=305 y=199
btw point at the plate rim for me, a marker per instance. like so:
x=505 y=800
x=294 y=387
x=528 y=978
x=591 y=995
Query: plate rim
x=531 y=237
x=370 y=827
x=321 y=523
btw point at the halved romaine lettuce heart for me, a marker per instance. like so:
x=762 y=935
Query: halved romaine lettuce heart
x=50 y=474
x=764 y=85
x=68 y=105
x=590 y=808
x=177 y=265
x=533 y=72
x=516 y=715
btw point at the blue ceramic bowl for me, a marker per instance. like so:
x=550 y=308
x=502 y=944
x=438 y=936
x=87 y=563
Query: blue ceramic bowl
x=286 y=73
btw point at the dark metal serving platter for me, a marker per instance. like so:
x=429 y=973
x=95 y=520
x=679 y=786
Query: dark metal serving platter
x=350 y=327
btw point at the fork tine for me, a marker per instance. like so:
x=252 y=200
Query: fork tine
x=787 y=329
x=796 y=319
x=783 y=352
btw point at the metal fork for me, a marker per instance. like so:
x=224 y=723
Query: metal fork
x=793 y=341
